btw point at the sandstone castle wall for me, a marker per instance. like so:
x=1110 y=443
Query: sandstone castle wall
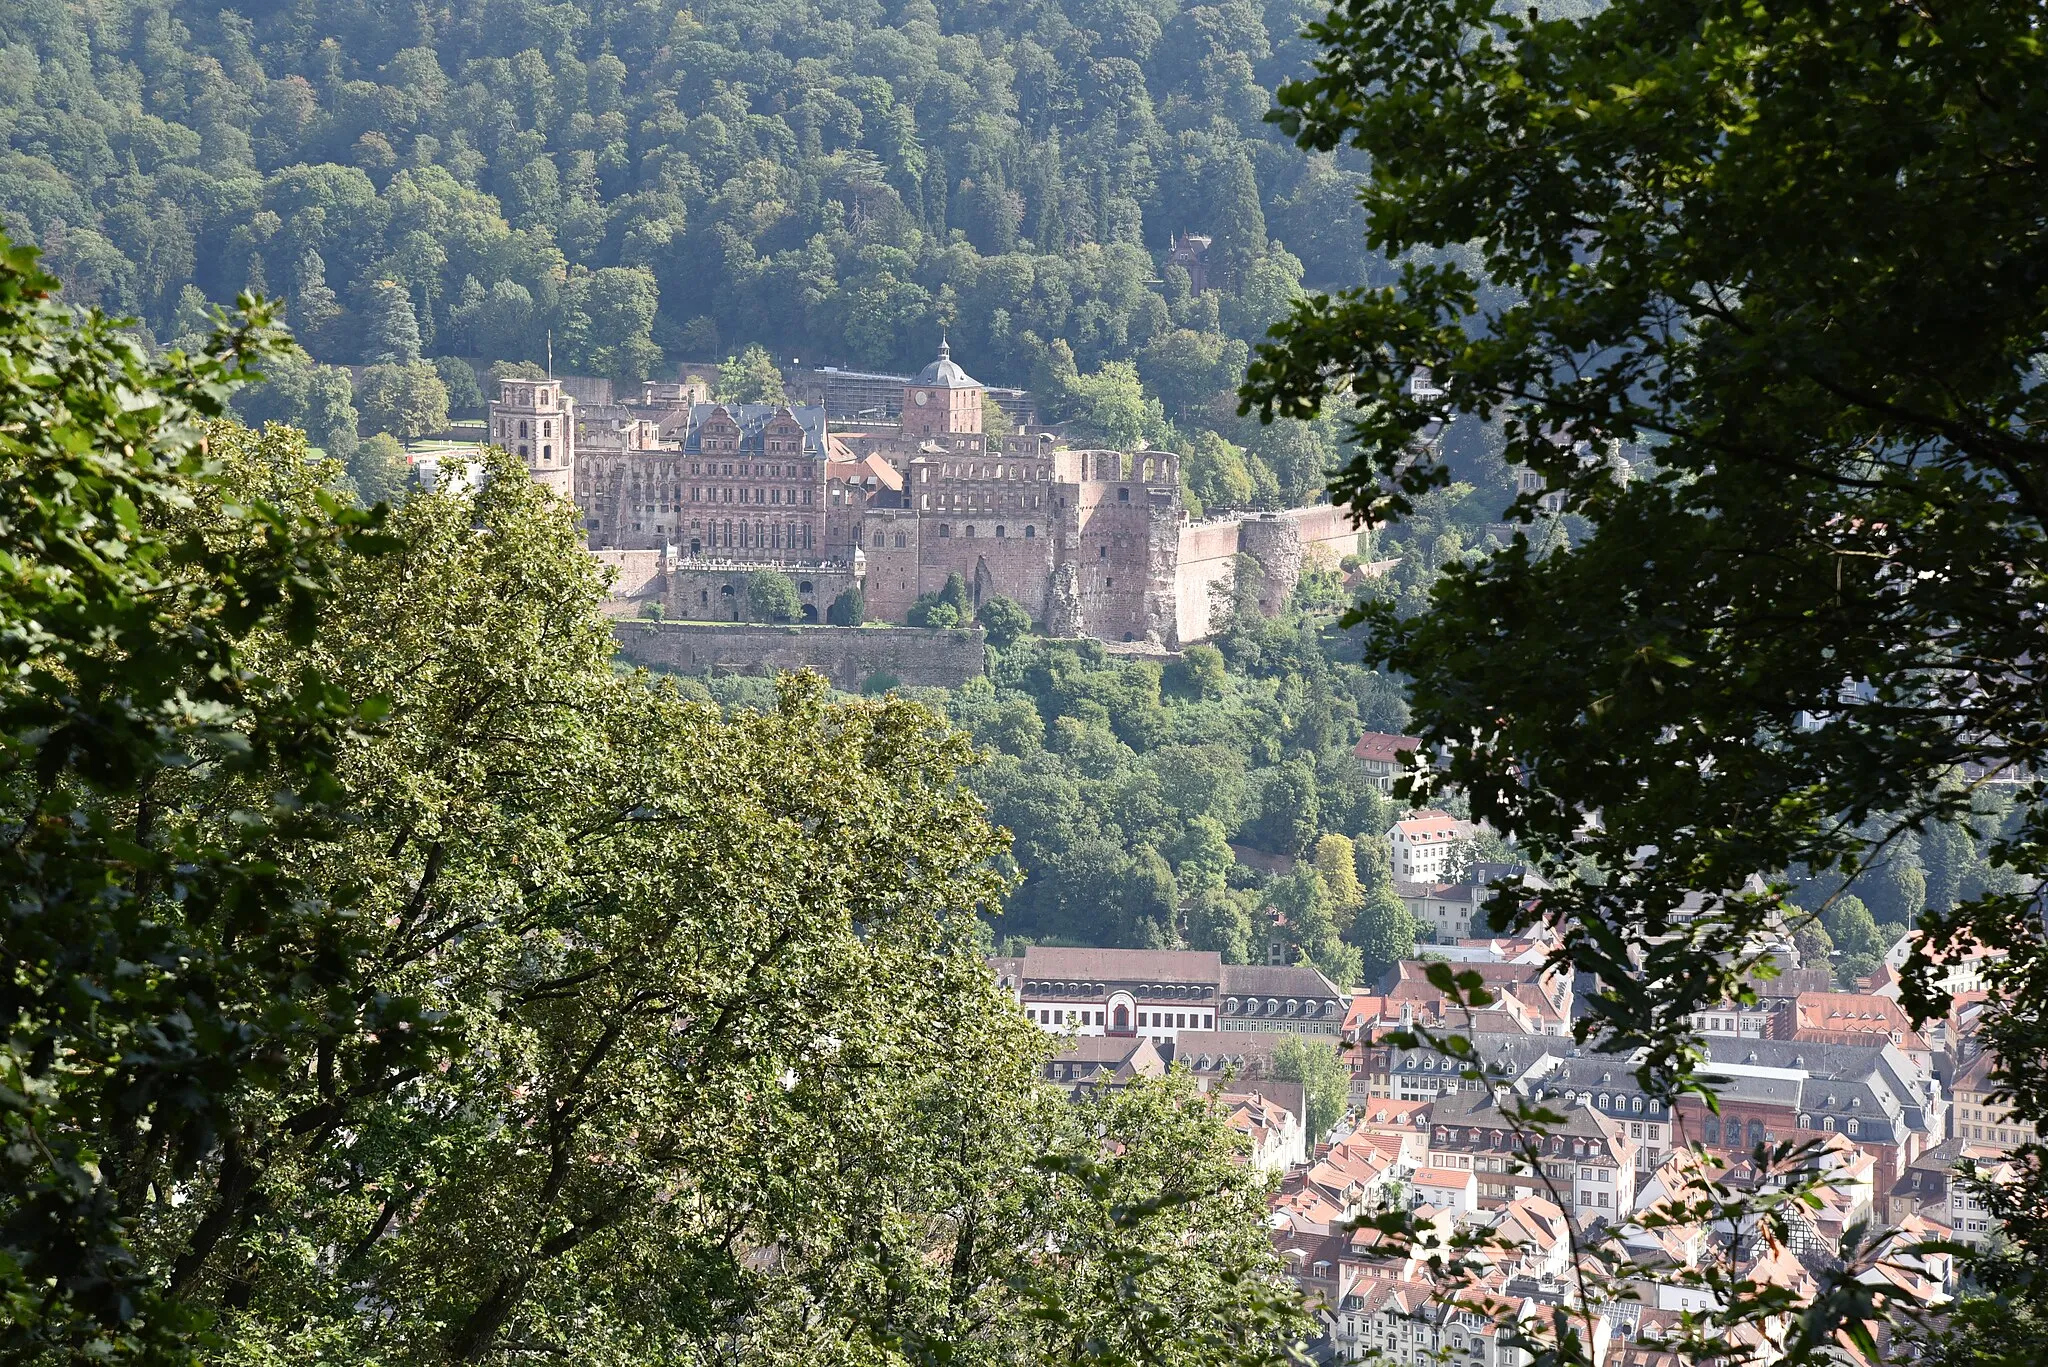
x=848 y=656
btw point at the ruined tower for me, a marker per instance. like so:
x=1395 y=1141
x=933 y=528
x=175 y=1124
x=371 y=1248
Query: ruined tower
x=536 y=421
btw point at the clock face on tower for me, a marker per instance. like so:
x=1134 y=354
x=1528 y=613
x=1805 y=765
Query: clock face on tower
x=923 y=398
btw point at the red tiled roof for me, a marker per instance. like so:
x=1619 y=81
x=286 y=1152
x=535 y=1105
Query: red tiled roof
x=1379 y=745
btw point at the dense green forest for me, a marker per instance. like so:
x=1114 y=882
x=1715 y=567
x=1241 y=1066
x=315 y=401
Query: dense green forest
x=1125 y=784
x=641 y=184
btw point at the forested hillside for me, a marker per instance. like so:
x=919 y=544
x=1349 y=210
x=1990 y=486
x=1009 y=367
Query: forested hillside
x=835 y=180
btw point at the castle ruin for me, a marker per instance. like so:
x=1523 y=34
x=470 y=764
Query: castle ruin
x=685 y=498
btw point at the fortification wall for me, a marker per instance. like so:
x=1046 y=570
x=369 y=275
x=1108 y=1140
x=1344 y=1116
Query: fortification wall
x=705 y=592
x=635 y=574
x=1206 y=568
x=1011 y=565
x=848 y=656
x=1282 y=543
x=1116 y=562
x=893 y=539
x=1325 y=528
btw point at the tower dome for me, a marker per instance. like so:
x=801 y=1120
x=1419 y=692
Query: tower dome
x=942 y=373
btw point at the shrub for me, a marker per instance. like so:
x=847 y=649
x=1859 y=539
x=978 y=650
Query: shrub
x=849 y=609
x=1004 y=619
x=771 y=597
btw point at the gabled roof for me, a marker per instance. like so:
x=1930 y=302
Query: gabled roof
x=752 y=417
x=1180 y=966
x=1276 y=980
x=1383 y=746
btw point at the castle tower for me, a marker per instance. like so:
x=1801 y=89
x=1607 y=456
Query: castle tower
x=943 y=403
x=536 y=421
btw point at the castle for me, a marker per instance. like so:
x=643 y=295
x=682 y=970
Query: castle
x=686 y=498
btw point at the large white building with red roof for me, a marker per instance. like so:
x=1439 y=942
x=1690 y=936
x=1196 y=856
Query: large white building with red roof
x=1421 y=845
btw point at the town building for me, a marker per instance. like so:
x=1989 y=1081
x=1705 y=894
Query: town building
x=1457 y=910
x=1162 y=994
x=1090 y=1063
x=1422 y=844
x=1982 y=1115
x=1379 y=754
x=1587 y=1164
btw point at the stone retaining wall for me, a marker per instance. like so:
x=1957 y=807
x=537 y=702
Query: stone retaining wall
x=848 y=656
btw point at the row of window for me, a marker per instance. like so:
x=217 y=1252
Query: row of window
x=1002 y=531
x=924 y=473
x=698 y=495
x=744 y=471
x=971 y=501
x=758 y=536
x=1147 y=1020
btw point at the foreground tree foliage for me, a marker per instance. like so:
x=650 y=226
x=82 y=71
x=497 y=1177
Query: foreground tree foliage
x=1795 y=251
x=463 y=998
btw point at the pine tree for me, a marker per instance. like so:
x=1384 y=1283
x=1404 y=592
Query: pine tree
x=393 y=331
x=313 y=308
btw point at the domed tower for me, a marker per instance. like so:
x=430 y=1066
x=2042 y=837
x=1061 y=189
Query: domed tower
x=536 y=421
x=943 y=401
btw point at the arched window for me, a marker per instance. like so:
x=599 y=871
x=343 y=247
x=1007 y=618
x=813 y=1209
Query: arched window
x=1030 y=533
x=945 y=531
x=878 y=541
x=522 y=427
x=899 y=541
x=1123 y=1018
x=970 y=531
x=1756 y=1133
x=1636 y=1105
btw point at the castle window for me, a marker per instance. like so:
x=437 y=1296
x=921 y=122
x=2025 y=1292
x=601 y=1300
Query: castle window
x=1030 y=532
x=1123 y=495
x=970 y=531
x=878 y=541
x=547 y=453
x=547 y=429
x=522 y=445
x=775 y=495
x=999 y=531
x=945 y=530
x=1102 y=552
x=899 y=541
x=522 y=427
